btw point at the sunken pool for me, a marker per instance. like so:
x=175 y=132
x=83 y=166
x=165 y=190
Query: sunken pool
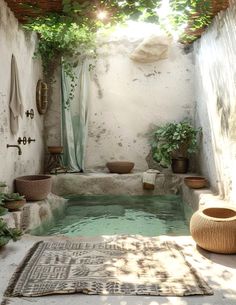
x=110 y=215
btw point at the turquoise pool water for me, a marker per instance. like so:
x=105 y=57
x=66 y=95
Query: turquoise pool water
x=109 y=215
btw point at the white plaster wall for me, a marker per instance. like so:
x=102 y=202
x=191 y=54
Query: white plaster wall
x=216 y=102
x=14 y=40
x=128 y=98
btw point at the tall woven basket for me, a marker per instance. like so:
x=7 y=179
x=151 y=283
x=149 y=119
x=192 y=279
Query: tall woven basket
x=214 y=229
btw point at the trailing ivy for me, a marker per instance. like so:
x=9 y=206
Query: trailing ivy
x=60 y=37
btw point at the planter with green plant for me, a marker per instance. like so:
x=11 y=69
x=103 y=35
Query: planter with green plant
x=13 y=201
x=173 y=143
x=6 y=233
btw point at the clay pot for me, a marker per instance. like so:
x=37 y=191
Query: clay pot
x=14 y=205
x=34 y=187
x=55 y=149
x=179 y=165
x=120 y=167
x=195 y=182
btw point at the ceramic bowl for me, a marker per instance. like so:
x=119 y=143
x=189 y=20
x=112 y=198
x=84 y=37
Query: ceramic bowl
x=120 y=167
x=55 y=149
x=195 y=182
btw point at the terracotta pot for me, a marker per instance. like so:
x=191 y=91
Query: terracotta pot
x=214 y=229
x=55 y=149
x=34 y=187
x=14 y=205
x=179 y=165
x=120 y=167
x=195 y=182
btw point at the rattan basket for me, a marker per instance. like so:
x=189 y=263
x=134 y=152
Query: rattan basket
x=214 y=229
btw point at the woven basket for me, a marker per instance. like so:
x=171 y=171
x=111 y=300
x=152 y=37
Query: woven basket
x=214 y=229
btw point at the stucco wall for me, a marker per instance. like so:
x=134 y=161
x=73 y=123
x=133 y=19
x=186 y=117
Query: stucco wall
x=216 y=102
x=128 y=98
x=14 y=41
x=52 y=122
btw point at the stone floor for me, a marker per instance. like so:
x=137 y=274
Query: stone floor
x=218 y=270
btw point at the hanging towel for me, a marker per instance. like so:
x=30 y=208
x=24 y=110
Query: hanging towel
x=16 y=106
x=149 y=179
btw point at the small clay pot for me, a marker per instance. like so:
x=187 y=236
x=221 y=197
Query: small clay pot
x=120 y=167
x=179 y=165
x=195 y=182
x=14 y=205
x=55 y=149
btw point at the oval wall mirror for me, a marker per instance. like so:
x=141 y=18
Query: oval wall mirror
x=42 y=97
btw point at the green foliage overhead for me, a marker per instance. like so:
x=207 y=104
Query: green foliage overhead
x=173 y=138
x=71 y=33
x=62 y=33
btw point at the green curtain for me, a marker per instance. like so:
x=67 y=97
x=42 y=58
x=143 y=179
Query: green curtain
x=75 y=118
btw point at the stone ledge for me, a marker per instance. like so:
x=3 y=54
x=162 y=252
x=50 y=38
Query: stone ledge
x=34 y=214
x=200 y=198
x=113 y=184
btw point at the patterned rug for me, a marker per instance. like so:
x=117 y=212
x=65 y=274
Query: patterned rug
x=123 y=265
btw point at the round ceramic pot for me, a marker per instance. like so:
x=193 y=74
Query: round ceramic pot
x=34 y=187
x=14 y=205
x=179 y=165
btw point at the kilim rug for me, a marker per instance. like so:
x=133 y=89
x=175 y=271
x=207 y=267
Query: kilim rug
x=122 y=265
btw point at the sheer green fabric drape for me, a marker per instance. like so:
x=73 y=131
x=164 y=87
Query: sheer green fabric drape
x=75 y=119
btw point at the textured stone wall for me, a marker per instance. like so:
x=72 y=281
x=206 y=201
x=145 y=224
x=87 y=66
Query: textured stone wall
x=14 y=41
x=127 y=98
x=216 y=102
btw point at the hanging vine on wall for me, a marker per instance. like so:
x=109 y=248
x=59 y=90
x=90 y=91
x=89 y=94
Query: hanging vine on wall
x=61 y=38
x=71 y=33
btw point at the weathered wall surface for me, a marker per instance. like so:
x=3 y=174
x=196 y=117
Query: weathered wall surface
x=14 y=41
x=216 y=102
x=127 y=98
x=52 y=122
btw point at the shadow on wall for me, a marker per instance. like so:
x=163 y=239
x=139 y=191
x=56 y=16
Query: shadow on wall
x=215 y=114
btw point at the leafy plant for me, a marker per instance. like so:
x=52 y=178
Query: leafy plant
x=3 y=211
x=173 y=139
x=6 y=233
x=12 y=197
x=3 y=184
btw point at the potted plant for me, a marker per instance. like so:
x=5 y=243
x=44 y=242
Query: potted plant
x=172 y=144
x=13 y=201
x=6 y=233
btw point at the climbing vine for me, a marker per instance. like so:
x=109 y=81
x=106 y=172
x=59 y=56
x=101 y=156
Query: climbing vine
x=71 y=32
